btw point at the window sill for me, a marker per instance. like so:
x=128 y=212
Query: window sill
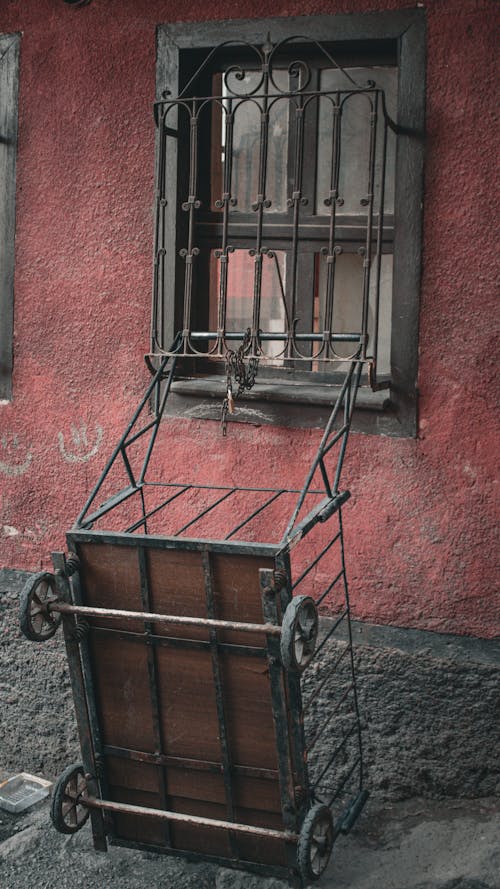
x=282 y=404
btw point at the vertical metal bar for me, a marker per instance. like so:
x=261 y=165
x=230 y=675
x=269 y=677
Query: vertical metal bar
x=367 y=258
x=260 y=203
x=157 y=332
x=350 y=402
x=302 y=790
x=297 y=198
x=326 y=480
x=153 y=686
x=380 y=232
x=353 y=669
x=84 y=700
x=219 y=698
x=144 y=515
x=225 y=203
x=287 y=791
x=159 y=415
x=331 y=201
x=128 y=467
x=189 y=206
x=319 y=454
x=122 y=440
x=270 y=613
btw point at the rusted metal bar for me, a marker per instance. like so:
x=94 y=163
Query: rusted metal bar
x=329 y=587
x=147 y=515
x=204 y=512
x=182 y=762
x=353 y=671
x=65 y=608
x=316 y=560
x=327 y=721
x=343 y=784
x=126 y=809
x=319 y=688
x=254 y=514
x=330 y=632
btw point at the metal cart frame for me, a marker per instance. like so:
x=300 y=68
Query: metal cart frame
x=251 y=602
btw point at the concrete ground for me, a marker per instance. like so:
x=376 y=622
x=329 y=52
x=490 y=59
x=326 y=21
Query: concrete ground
x=416 y=844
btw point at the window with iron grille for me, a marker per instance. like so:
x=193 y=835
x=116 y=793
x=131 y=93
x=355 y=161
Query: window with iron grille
x=288 y=207
x=9 y=64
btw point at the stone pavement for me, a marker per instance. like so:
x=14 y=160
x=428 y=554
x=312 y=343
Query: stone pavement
x=418 y=844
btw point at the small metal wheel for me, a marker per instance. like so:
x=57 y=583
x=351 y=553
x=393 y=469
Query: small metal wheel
x=299 y=632
x=38 y=623
x=315 y=842
x=68 y=810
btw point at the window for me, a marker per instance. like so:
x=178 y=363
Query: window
x=9 y=64
x=296 y=287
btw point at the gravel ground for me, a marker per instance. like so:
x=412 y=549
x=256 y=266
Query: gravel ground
x=412 y=845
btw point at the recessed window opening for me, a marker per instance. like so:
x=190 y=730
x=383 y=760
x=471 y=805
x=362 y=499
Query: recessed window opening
x=280 y=175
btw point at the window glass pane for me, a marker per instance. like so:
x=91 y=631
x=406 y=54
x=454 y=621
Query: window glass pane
x=348 y=303
x=354 y=140
x=245 y=156
x=240 y=294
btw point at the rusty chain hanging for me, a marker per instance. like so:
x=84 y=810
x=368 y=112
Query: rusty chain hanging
x=244 y=376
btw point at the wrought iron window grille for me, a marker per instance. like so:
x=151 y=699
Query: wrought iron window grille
x=268 y=225
x=291 y=345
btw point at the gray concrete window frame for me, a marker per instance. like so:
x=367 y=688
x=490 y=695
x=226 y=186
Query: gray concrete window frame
x=9 y=86
x=391 y=412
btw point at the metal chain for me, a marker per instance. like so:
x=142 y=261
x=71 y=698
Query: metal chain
x=244 y=376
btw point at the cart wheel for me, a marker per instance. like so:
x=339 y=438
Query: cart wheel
x=315 y=842
x=38 y=623
x=68 y=810
x=299 y=632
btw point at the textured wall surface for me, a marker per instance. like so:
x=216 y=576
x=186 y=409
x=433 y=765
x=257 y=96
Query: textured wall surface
x=429 y=707
x=419 y=524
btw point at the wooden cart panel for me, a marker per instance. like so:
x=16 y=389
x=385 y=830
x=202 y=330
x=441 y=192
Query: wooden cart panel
x=185 y=714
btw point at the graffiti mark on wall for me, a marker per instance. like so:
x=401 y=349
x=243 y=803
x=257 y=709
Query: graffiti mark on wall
x=15 y=458
x=82 y=447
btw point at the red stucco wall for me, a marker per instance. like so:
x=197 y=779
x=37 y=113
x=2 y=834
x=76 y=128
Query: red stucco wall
x=419 y=526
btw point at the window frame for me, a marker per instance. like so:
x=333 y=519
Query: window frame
x=9 y=90
x=305 y=404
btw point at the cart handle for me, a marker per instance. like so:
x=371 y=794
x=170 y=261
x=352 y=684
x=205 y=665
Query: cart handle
x=117 y=614
x=93 y=803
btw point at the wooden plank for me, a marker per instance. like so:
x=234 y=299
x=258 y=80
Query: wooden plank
x=109 y=577
x=177 y=587
x=122 y=690
x=237 y=594
x=188 y=713
x=135 y=783
x=247 y=702
x=187 y=710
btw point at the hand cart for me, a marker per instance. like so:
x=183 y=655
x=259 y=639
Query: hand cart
x=196 y=661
